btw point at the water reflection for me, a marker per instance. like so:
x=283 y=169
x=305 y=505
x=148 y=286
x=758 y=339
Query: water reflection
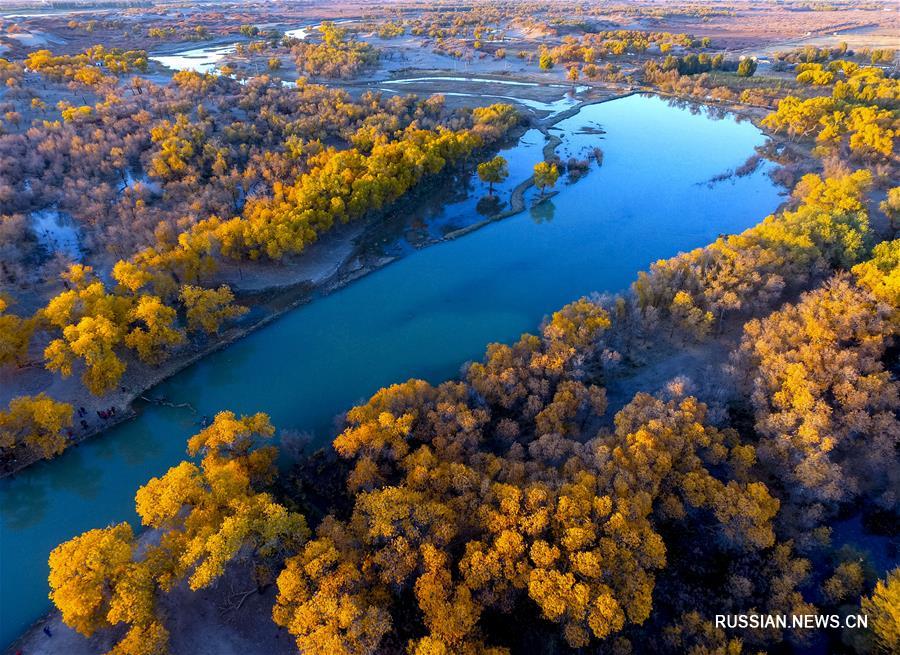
x=57 y=233
x=543 y=212
x=713 y=112
x=490 y=206
x=204 y=59
x=23 y=505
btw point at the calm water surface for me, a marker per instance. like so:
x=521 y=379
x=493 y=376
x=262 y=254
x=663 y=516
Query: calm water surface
x=422 y=316
x=206 y=59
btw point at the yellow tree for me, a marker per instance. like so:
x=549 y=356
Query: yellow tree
x=206 y=516
x=154 y=333
x=97 y=580
x=689 y=318
x=131 y=276
x=883 y=608
x=93 y=323
x=493 y=171
x=545 y=175
x=545 y=60
x=207 y=309
x=37 y=422
x=880 y=275
x=15 y=335
x=93 y=339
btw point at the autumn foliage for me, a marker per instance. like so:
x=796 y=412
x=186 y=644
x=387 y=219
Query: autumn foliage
x=477 y=496
x=173 y=189
x=208 y=515
x=536 y=498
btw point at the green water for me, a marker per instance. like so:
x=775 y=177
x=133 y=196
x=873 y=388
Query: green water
x=422 y=316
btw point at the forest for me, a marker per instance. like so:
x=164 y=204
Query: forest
x=534 y=502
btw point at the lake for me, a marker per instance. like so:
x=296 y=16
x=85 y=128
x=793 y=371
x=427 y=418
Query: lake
x=422 y=316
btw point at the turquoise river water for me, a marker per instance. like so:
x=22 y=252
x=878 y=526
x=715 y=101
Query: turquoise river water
x=422 y=316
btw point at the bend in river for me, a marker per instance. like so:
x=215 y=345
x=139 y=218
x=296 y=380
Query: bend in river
x=422 y=316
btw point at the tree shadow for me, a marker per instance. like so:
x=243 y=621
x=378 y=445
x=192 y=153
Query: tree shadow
x=543 y=212
x=489 y=206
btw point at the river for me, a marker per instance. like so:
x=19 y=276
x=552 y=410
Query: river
x=422 y=316
x=206 y=59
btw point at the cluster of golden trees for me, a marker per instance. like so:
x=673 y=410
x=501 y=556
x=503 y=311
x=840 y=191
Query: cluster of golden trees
x=169 y=33
x=336 y=56
x=455 y=32
x=592 y=47
x=208 y=514
x=497 y=494
x=489 y=496
x=138 y=168
x=89 y=325
x=92 y=323
x=36 y=423
x=92 y=329
x=860 y=114
x=15 y=332
x=339 y=186
x=748 y=272
x=706 y=86
x=478 y=22
x=90 y=67
x=162 y=161
x=10 y=72
x=811 y=54
x=825 y=404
